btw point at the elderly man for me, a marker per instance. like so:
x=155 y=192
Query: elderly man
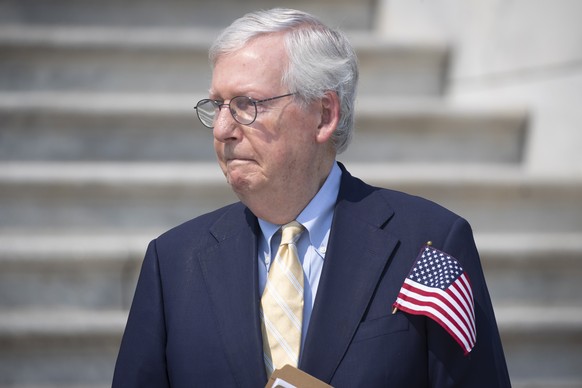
x=305 y=270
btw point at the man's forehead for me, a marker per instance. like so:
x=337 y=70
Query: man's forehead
x=257 y=67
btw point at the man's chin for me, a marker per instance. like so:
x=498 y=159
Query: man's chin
x=238 y=183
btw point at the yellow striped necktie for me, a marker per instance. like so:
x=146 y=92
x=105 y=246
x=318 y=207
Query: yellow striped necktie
x=282 y=303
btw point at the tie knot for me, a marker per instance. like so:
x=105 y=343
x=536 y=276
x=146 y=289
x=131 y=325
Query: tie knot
x=290 y=232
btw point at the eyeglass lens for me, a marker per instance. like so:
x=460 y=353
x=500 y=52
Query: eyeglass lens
x=241 y=108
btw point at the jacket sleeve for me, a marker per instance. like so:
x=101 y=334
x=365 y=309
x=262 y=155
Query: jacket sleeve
x=485 y=365
x=141 y=361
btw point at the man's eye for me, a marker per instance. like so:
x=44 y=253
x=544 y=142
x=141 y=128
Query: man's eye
x=242 y=103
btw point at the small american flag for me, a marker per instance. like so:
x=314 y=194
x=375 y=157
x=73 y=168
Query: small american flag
x=438 y=288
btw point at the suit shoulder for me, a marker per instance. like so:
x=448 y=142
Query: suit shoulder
x=403 y=204
x=411 y=205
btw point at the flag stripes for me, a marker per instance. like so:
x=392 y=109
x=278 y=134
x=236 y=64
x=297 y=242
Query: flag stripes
x=437 y=287
x=442 y=308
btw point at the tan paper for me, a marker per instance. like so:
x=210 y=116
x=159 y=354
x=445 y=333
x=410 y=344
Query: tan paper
x=290 y=377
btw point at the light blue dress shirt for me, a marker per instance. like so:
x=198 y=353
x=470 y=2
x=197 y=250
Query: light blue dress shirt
x=311 y=247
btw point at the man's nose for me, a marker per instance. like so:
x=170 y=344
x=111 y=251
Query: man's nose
x=225 y=127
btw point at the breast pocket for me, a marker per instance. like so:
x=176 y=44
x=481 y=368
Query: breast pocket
x=381 y=326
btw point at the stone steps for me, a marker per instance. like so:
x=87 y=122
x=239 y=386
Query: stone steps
x=163 y=127
x=150 y=13
x=82 y=270
x=100 y=151
x=51 y=332
x=78 y=347
x=154 y=195
x=148 y=60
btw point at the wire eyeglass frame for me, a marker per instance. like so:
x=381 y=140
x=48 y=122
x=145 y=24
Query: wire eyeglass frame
x=238 y=111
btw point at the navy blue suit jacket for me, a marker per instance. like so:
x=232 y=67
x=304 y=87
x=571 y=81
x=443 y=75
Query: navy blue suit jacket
x=194 y=321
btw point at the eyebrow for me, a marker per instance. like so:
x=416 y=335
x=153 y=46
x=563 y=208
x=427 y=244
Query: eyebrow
x=216 y=96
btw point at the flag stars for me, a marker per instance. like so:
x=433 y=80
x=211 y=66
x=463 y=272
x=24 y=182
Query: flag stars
x=436 y=269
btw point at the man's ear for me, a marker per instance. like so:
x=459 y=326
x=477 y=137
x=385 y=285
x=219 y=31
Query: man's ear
x=330 y=114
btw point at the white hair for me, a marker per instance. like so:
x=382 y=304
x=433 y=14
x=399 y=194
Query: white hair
x=321 y=59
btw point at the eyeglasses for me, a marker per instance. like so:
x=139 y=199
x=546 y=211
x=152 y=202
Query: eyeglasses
x=242 y=108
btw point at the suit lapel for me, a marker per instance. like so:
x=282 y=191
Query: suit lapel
x=230 y=272
x=359 y=250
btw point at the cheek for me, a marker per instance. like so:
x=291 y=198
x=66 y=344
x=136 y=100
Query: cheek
x=219 y=149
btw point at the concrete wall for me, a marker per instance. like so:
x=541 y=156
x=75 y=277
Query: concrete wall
x=510 y=52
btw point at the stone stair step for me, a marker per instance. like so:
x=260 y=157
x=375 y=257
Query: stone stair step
x=108 y=196
x=70 y=270
x=99 y=270
x=39 y=325
x=175 y=12
x=74 y=346
x=88 y=126
x=532 y=268
x=545 y=383
x=62 y=348
x=548 y=337
x=91 y=127
x=122 y=196
x=493 y=198
x=429 y=131
x=175 y=60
